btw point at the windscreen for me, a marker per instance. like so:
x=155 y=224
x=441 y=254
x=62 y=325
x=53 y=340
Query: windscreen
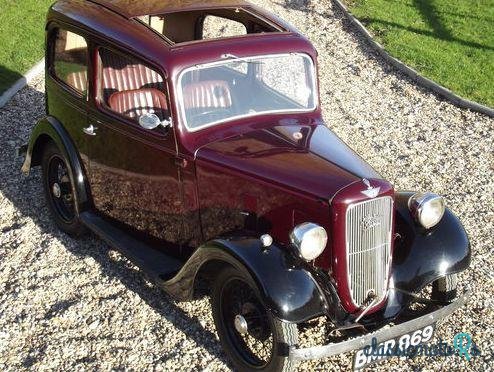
x=215 y=93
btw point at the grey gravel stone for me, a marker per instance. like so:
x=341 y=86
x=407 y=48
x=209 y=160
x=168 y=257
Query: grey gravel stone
x=77 y=305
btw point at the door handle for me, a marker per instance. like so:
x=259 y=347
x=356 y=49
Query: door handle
x=90 y=131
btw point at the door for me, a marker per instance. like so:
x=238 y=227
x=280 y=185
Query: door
x=66 y=84
x=134 y=175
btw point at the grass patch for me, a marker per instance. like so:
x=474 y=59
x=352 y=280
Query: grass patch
x=21 y=37
x=448 y=41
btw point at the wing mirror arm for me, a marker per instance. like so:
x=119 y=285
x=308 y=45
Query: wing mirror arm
x=167 y=123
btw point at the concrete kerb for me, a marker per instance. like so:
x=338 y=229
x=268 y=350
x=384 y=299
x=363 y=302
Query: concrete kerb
x=411 y=73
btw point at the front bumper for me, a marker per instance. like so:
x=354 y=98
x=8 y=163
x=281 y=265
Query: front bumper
x=381 y=335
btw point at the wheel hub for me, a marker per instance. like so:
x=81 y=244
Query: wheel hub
x=241 y=325
x=56 y=190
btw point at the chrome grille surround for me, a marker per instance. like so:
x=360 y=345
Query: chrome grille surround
x=368 y=248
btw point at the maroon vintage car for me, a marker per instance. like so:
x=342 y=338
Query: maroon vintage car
x=189 y=136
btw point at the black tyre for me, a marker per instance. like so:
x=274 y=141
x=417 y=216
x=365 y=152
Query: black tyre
x=59 y=191
x=444 y=289
x=252 y=338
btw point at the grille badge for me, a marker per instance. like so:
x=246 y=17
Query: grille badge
x=371 y=221
x=371 y=192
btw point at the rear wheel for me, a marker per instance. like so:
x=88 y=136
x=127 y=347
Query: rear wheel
x=252 y=338
x=59 y=191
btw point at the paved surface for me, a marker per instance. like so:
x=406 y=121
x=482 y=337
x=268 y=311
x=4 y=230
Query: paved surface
x=75 y=304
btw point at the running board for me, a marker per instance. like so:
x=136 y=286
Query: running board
x=158 y=266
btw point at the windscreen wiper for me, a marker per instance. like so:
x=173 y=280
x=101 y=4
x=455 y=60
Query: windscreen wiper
x=240 y=59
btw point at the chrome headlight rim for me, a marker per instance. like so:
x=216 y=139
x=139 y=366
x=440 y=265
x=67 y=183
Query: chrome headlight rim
x=300 y=235
x=420 y=202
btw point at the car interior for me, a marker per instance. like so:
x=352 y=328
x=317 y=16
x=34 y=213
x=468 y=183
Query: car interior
x=187 y=26
x=131 y=88
x=222 y=92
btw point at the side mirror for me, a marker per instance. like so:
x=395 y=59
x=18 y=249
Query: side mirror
x=149 y=121
x=152 y=121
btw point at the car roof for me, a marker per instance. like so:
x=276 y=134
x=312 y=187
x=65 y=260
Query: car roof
x=136 y=8
x=116 y=20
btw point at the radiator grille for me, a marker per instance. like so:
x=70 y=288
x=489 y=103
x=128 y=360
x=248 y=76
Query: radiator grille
x=368 y=243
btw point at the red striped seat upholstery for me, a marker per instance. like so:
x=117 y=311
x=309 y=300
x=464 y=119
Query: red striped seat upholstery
x=122 y=74
x=135 y=103
x=130 y=77
x=78 y=80
x=207 y=94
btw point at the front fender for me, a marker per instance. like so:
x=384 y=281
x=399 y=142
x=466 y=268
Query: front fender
x=50 y=129
x=288 y=289
x=422 y=256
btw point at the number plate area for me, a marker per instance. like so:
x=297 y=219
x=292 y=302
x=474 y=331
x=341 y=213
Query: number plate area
x=395 y=347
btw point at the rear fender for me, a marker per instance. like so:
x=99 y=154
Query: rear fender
x=50 y=129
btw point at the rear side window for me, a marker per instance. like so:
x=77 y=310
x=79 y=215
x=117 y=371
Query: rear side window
x=70 y=60
x=130 y=88
x=219 y=27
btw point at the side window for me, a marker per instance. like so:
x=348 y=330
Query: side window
x=130 y=88
x=70 y=58
x=219 y=27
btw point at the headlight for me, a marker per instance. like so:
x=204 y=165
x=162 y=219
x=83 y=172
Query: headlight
x=427 y=208
x=310 y=239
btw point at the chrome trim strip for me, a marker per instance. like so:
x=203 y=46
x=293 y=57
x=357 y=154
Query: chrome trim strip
x=180 y=97
x=381 y=335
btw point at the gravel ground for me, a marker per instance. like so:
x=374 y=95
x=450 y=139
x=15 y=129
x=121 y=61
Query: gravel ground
x=75 y=304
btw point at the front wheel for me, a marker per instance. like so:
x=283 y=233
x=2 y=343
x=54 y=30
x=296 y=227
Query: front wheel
x=252 y=338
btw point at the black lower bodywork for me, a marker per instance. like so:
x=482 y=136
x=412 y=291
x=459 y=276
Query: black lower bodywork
x=290 y=288
x=293 y=290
